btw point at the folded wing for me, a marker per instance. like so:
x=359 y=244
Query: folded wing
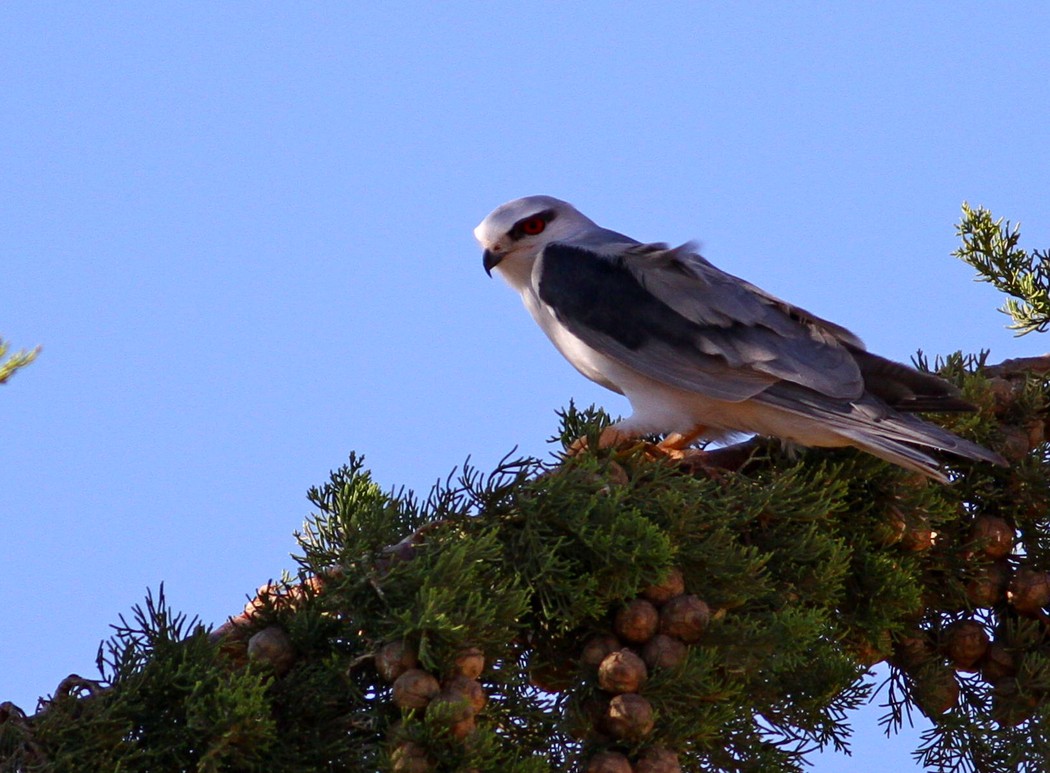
x=674 y=317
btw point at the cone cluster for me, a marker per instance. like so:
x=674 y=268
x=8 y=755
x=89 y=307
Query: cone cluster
x=1006 y=621
x=452 y=701
x=650 y=632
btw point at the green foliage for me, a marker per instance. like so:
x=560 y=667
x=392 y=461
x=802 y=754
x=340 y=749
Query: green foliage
x=174 y=703
x=15 y=361
x=525 y=564
x=990 y=246
x=813 y=565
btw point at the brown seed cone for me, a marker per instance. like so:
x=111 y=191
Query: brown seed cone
x=663 y=651
x=1013 y=442
x=272 y=645
x=965 y=643
x=608 y=762
x=597 y=647
x=1009 y=707
x=1036 y=433
x=637 y=621
x=629 y=716
x=470 y=662
x=890 y=530
x=999 y=662
x=685 y=617
x=868 y=652
x=453 y=708
x=993 y=536
x=912 y=650
x=414 y=689
x=1029 y=591
x=1016 y=441
x=586 y=718
x=987 y=586
x=469 y=690
x=658 y=759
x=935 y=693
x=395 y=658
x=234 y=649
x=621 y=672
x=410 y=757
x=463 y=727
x=1004 y=393
x=917 y=536
x=662 y=592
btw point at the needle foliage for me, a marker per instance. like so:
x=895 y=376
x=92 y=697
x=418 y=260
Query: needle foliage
x=12 y=362
x=810 y=567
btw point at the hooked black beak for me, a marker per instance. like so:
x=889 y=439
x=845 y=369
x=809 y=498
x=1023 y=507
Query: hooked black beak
x=490 y=260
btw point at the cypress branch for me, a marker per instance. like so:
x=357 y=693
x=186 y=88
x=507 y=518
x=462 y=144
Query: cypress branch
x=15 y=361
x=614 y=610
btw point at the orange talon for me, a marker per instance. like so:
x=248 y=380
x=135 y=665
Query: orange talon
x=609 y=438
x=676 y=445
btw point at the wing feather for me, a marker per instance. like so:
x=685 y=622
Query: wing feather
x=671 y=315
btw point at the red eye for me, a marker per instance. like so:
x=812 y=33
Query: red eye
x=533 y=226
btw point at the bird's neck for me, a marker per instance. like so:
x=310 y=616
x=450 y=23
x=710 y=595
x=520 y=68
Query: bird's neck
x=516 y=270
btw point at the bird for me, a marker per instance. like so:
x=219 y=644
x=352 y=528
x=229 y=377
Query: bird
x=703 y=355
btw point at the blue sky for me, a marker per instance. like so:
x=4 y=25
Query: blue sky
x=242 y=234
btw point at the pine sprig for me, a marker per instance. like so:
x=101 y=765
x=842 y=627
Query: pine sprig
x=991 y=247
x=15 y=362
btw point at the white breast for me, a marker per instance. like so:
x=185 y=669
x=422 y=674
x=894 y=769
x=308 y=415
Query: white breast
x=592 y=364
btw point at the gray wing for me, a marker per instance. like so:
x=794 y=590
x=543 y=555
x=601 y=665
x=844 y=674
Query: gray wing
x=671 y=315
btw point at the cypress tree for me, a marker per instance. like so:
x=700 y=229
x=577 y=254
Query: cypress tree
x=615 y=610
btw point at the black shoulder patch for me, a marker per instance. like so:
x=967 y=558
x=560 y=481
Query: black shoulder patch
x=601 y=293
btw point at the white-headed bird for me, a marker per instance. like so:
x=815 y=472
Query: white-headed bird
x=702 y=354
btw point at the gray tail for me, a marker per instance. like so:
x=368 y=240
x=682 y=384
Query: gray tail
x=873 y=426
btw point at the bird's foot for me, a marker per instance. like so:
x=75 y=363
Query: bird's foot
x=610 y=437
x=677 y=444
x=676 y=448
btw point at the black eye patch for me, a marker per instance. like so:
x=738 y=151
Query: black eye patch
x=519 y=229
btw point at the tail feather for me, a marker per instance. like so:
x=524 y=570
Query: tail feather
x=907 y=389
x=908 y=457
x=882 y=431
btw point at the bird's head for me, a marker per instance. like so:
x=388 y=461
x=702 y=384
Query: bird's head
x=514 y=233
